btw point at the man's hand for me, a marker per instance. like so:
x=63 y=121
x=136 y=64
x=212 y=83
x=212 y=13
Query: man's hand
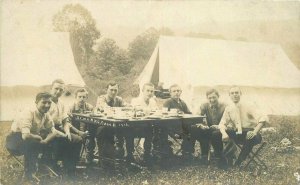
x=69 y=136
x=225 y=137
x=250 y=135
x=200 y=125
x=215 y=127
x=43 y=142
x=83 y=134
x=37 y=138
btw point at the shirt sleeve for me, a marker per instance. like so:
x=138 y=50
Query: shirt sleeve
x=49 y=124
x=64 y=113
x=90 y=107
x=225 y=118
x=101 y=102
x=257 y=114
x=202 y=110
x=25 y=123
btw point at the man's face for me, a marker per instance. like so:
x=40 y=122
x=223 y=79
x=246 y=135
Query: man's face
x=175 y=92
x=43 y=105
x=57 y=90
x=81 y=97
x=213 y=98
x=148 y=91
x=112 y=91
x=235 y=94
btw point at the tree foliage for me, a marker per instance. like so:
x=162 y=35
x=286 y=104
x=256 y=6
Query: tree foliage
x=78 y=21
x=143 y=45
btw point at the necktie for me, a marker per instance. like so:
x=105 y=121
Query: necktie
x=111 y=103
x=238 y=119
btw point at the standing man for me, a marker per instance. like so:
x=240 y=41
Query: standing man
x=29 y=134
x=68 y=149
x=81 y=106
x=213 y=110
x=145 y=102
x=105 y=135
x=175 y=102
x=241 y=123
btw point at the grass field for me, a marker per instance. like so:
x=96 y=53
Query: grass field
x=282 y=165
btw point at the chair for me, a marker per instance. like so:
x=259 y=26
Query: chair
x=40 y=173
x=252 y=157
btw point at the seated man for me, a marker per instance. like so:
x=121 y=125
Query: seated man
x=213 y=110
x=240 y=123
x=33 y=130
x=67 y=149
x=105 y=135
x=147 y=103
x=81 y=106
x=175 y=102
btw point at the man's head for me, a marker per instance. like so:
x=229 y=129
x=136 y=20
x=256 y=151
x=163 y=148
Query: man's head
x=235 y=94
x=175 y=91
x=58 y=87
x=43 y=102
x=112 y=89
x=81 y=95
x=212 y=96
x=148 y=90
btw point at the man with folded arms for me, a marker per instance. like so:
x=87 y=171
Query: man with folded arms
x=67 y=149
x=147 y=103
x=241 y=123
x=105 y=135
x=31 y=133
x=213 y=110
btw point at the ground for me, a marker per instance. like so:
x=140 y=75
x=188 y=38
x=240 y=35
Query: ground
x=283 y=165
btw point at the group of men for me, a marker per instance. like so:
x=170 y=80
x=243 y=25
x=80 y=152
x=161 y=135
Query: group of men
x=49 y=128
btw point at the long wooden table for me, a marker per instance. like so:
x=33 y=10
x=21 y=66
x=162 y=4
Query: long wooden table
x=139 y=122
x=180 y=124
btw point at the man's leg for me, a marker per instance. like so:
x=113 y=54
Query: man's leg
x=248 y=144
x=217 y=143
x=105 y=141
x=31 y=151
x=148 y=134
x=72 y=153
x=129 y=137
x=119 y=141
x=204 y=136
x=90 y=145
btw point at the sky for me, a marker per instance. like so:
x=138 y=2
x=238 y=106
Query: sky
x=124 y=20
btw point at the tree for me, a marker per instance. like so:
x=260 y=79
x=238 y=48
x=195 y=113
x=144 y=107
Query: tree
x=110 y=59
x=143 y=45
x=78 y=21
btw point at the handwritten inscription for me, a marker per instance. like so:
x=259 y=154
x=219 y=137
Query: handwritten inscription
x=100 y=122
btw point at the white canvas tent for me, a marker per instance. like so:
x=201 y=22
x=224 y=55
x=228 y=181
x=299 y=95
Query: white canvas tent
x=31 y=62
x=196 y=63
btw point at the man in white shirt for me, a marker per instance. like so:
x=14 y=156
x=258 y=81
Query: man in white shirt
x=67 y=149
x=241 y=123
x=31 y=133
x=145 y=102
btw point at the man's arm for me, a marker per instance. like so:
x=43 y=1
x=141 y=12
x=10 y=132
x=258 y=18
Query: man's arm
x=261 y=121
x=223 y=124
x=101 y=102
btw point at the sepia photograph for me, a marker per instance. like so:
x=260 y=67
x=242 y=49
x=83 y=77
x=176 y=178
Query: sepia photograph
x=150 y=92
